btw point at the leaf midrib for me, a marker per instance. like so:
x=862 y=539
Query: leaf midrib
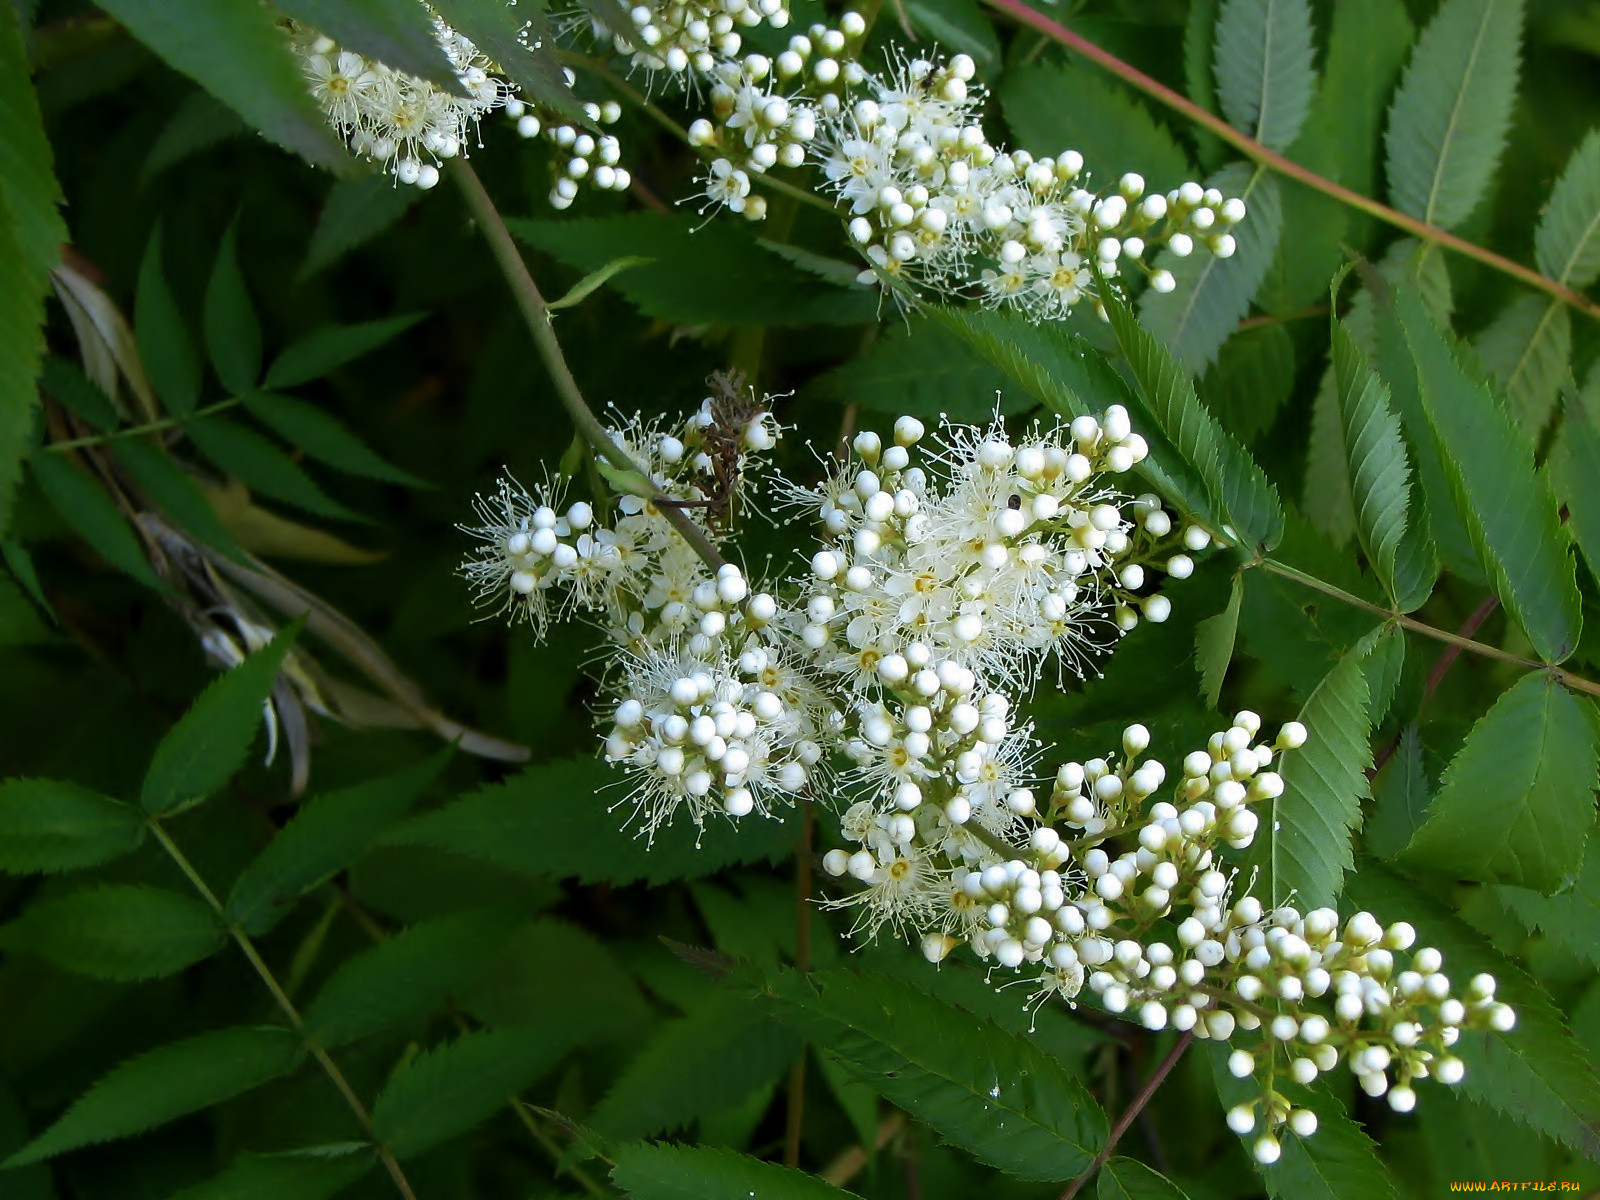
x=1455 y=114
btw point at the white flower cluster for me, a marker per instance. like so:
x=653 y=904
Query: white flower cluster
x=680 y=37
x=1080 y=894
x=410 y=125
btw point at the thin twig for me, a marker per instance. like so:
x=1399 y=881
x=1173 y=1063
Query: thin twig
x=1258 y=153
x=537 y=315
x=1441 y=668
x=99 y=439
x=296 y=1022
x=844 y=1168
x=1130 y=1114
x=1576 y=682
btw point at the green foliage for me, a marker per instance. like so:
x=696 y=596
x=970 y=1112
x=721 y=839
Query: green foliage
x=1526 y=351
x=397 y=35
x=117 y=931
x=210 y=741
x=1251 y=380
x=1518 y=799
x=92 y=515
x=1129 y=1179
x=449 y=1089
x=1448 y=122
x=997 y=1096
x=1265 y=80
x=705 y=1173
x=1214 y=640
x=170 y=1082
x=1324 y=782
x=233 y=332
x=174 y=491
x=1574 y=461
x=1570 y=918
x=169 y=356
x=1566 y=242
x=322 y=350
x=357 y=210
x=917 y=368
x=320 y=436
x=49 y=825
x=245 y=454
x=304 y=1175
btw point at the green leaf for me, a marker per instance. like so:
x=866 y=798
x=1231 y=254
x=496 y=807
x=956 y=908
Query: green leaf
x=1537 y=1074
x=238 y=54
x=400 y=36
x=957 y=27
x=521 y=41
x=1128 y=1179
x=322 y=350
x=1214 y=640
x=315 y=433
x=1213 y=294
x=198 y=124
x=1401 y=798
x=594 y=280
x=557 y=819
x=691 y=1068
x=164 y=345
x=1574 y=466
x=1380 y=478
x=1250 y=381
x=996 y=1096
x=67 y=384
x=20 y=563
x=1326 y=499
x=233 y=334
x=916 y=368
x=245 y=454
x=357 y=210
x=1324 y=782
x=1265 y=80
x=1517 y=800
x=449 y=1089
x=1053 y=106
x=1509 y=510
x=1448 y=122
x=405 y=977
x=117 y=931
x=167 y=1083
x=311 y=1174
x=1566 y=244
x=1240 y=496
x=1527 y=350
x=702 y=273
x=174 y=492
x=81 y=502
x=711 y=1173
x=1570 y=918
x=323 y=838
x=48 y=825
x=210 y=741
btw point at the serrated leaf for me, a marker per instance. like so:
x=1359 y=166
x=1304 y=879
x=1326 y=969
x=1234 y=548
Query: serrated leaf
x=702 y=273
x=558 y=819
x=1265 y=78
x=169 y=357
x=307 y=1175
x=1570 y=918
x=400 y=36
x=1053 y=106
x=1250 y=381
x=233 y=333
x=915 y=368
x=1537 y=1074
x=598 y=999
x=998 y=1097
x=319 y=436
x=1566 y=244
x=957 y=27
x=324 y=837
x=711 y=1173
x=170 y=1082
x=238 y=54
x=1508 y=509
x=174 y=492
x=1324 y=782
x=86 y=509
x=49 y=825
x=199 y=123
x=406 y=976
x=1574 y=466
x=20 y=563
x=67 y=384
x=701 y=1064
x=1448 y=122
x=1213 y=294
x=1380 y=478
x=210 y=741
x=245 y=454
x=1527 y=350
x=1517 y=800
x=356 y=211
x=1214 y=640
x=452 y=1087
x=1239 y=494
x=117 y=931
x=1326 y=498
x=322 y=350
x=521 y=41
x=1400 y=798
x=1128 y=1179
